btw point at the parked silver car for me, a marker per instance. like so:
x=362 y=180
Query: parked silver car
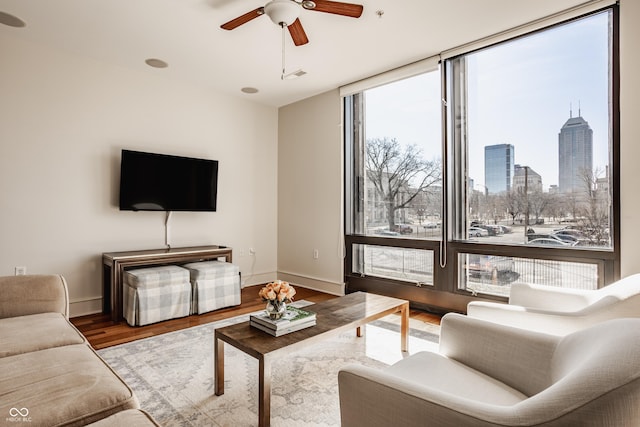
x=477 y=232
x=550 y=241
x=489 y=265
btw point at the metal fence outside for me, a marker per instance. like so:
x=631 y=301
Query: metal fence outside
x=416 y=266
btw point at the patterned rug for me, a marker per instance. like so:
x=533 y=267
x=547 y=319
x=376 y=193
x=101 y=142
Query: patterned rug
x=172 y=374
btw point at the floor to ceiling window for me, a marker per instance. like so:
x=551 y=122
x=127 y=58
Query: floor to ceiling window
x=522 y=188
x=400 y=176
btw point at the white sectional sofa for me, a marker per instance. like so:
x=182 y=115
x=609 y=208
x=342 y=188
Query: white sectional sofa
x=49 y=374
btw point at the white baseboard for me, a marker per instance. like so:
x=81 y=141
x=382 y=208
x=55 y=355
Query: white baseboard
x=315 y=283
x=82 y=307
x=258 y=279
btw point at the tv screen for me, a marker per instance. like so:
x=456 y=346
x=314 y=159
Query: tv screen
x=160 y=182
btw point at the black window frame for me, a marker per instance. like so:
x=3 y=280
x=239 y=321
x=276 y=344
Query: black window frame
x=445 y=294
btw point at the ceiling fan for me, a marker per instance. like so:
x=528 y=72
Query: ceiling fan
x=285 y=14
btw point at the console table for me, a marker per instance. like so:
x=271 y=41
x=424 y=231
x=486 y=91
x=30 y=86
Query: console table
x=114 y=264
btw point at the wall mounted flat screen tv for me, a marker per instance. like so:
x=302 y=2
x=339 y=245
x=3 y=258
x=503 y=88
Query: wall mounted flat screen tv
x=160 y=182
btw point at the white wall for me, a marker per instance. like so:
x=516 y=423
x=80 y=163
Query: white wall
x=310 y=193
x=64 y=120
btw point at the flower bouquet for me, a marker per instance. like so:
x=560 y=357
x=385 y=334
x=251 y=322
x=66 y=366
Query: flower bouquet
x=277 y=294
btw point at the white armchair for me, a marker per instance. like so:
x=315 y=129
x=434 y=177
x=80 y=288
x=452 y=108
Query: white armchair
x=487 y=374
x=560 y=311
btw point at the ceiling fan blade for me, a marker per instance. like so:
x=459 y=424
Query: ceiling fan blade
x=297 y=33
x=338 y=8
x=234 y=23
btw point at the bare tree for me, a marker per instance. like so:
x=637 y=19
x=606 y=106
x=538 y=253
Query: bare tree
x=475 y=203
x=594 y=208
x=571 y=202
x=513 y=204
x=555 y=208
x=399 y=173
x=538 y=202
x=494 y=207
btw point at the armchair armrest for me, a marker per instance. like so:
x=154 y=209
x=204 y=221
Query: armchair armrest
x=499 y=351
x=375 y=398
x=554 y=322
x=532 y=319
x=549 y=298
x=33 y=294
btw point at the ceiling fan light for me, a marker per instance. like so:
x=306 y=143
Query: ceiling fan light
x=282 y=11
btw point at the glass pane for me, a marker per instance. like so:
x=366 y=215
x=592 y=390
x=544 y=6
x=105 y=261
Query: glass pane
x=487 y=274
x=411 y=265
x=402 y=158
x=538 y=137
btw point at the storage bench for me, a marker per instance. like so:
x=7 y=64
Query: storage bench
x=156 y=293
x=215 y=284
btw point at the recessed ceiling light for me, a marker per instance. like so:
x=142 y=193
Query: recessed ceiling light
x=308 y=4
x=11 y=20
x=156 y=63
x=249 y=90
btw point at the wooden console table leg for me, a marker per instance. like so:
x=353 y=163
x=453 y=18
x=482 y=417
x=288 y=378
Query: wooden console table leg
x=116 y=298
x=404 y=327
x=264 y=392
x=218 y=366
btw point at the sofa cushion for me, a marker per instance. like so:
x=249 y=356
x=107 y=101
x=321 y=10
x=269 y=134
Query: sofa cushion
x=33 y=294
x=449 y=376
x=34 y=332
x=68 y=385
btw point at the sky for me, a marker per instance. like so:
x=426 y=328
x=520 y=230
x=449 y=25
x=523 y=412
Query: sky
x=519 y=93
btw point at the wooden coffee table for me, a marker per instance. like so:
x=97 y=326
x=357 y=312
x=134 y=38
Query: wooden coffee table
x=332 y=317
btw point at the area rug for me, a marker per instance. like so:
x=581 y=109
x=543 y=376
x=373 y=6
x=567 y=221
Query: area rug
x=172 y=374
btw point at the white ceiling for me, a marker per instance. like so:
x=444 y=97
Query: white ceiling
x=187 y=35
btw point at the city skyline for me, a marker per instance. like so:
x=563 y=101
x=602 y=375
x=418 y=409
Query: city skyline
x=575 y=156
x=522 y=92
x=519 y=93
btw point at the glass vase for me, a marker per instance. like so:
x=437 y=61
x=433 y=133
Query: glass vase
x=276 y=309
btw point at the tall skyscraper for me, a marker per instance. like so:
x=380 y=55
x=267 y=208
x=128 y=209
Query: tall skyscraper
x=498 y=167
x=575 y=154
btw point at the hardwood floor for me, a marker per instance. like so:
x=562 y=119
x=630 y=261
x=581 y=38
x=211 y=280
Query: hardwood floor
x=101 y=332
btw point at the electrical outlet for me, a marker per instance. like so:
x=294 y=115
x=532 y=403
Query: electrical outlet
x=241 y=252
x=21 y=271
x=316 y=254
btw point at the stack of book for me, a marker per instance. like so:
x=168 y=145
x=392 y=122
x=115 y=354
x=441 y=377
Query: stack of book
x=293 y=320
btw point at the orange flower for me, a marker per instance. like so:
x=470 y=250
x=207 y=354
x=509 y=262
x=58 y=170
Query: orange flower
x=277 y=291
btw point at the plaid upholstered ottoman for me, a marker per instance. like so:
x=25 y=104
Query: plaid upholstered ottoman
x=216 y=284
x=154 y=294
